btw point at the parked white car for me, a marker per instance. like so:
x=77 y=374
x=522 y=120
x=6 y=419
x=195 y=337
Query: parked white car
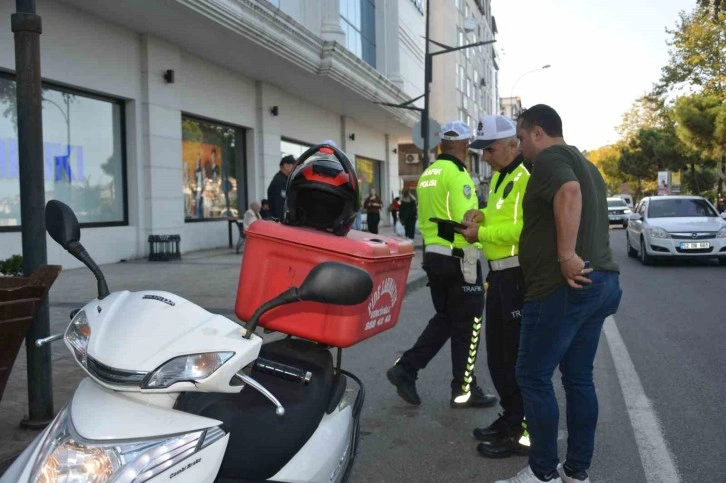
x=618 y=211
x=676 y=226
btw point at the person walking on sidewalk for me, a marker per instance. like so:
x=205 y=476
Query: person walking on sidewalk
x=408 y=213
x=446 y=190
x=497 y=227
x=373 y=205
x=571 y=286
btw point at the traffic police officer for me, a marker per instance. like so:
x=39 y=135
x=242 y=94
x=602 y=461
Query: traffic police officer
x=497 y=228
x=445 y=190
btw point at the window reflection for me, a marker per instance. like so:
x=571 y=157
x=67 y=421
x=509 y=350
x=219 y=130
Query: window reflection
x=209 y=151
x=82 y=155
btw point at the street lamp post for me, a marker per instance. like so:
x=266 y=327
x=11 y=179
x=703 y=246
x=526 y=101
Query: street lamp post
x=26 y=26
x=546 y=66
x=428 y=68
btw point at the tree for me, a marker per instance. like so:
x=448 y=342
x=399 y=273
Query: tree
x=649 y=112
x=714 y=6
x=701 y=125
x=697 y=48
x=606 y=158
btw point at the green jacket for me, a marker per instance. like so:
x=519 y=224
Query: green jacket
x=502 y=225
x=445 y=190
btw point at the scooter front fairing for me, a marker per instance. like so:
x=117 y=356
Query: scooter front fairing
x=103 y=435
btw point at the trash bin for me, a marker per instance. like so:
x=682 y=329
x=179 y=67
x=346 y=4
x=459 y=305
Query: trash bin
x=20 y=299
x=163 y=248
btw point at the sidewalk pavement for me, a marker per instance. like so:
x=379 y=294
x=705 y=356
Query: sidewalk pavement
x=208 y=278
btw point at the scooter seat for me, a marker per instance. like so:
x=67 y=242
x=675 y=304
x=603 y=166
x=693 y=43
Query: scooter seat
x=261 y=442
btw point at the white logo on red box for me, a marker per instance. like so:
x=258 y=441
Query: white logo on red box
x=378 y=316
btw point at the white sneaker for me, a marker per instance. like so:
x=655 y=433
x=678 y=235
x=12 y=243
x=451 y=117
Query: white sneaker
x=573 y=479
x=527 y=476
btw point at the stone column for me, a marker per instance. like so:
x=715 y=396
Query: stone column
x=161 y=161
x=330 y=25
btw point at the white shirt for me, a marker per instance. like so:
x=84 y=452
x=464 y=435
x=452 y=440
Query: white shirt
x=249 y=218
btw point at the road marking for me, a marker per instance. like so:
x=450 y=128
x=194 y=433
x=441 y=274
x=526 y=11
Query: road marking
x=656 y=458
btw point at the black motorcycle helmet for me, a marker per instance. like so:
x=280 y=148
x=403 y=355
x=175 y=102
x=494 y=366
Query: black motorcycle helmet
x=322 y=191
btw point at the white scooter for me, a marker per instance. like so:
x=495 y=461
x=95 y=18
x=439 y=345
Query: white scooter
x=170 y=394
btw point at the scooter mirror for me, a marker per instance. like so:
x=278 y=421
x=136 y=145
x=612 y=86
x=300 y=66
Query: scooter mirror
x=337 y=284
x=62 y=224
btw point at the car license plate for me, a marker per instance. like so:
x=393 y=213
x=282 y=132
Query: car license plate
x=694 y=245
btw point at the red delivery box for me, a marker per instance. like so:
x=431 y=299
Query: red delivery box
x=277 y=257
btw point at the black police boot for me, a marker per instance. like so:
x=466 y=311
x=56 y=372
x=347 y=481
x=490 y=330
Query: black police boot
x=474 y=399
x=510 y=445
x=498 y=429
x=405 y=383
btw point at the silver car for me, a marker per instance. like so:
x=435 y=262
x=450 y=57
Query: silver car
x=676 y=226
x=618 y=211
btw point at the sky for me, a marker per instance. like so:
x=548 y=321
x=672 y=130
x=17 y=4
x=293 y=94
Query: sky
x=604 y=54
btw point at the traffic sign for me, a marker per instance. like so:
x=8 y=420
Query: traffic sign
x=434 y=130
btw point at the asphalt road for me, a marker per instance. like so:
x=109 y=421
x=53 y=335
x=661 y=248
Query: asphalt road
x=673 y=321
x=673 y=324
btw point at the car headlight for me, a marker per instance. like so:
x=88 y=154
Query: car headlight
x=77 y=336
x=721 y=233
x=657 y=232
x=65 y=456
x=627 y=211
x=192 y=367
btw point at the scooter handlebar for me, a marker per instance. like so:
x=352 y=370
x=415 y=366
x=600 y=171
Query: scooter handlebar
x=282 y=371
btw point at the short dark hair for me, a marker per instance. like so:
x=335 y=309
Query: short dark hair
x=289 y=159
x=264 y=202
x=543 y=116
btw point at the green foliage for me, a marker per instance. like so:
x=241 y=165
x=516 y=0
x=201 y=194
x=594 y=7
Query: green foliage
x=606 y=159
x=701 y=123
x=697 y=46
x=699 y=181
x=12 y=267
x=646 y=112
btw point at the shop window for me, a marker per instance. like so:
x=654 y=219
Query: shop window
x=83 y=154
x=288 y=146
x=211 y=153
x=369 y=175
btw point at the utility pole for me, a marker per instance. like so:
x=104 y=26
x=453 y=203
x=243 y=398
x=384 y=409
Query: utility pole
x=428 y=75
x=428 y=67
x=27 y=27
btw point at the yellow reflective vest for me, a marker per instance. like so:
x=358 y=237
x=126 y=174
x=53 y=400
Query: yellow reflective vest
x=445 y=190
x=502 y=225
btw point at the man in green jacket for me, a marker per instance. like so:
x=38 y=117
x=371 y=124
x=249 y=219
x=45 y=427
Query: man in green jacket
x=497 y=228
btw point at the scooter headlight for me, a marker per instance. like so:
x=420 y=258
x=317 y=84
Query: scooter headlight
x=65 y=456
x=192 y=367
x=77 y=336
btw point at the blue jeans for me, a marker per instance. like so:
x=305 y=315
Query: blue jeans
x=358 y=222
x=563 y=329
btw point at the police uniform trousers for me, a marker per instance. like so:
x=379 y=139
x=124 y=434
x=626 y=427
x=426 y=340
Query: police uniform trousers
x=505 y=297
x=459 y=308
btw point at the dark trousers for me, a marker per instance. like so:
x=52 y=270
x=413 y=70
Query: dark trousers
x=505 y=298
x=372 y=220
x=410 y=228
x=563 y=329
x=458 y=317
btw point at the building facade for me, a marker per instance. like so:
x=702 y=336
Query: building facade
x=511 y=107
x=167 y=117
x=465 y=83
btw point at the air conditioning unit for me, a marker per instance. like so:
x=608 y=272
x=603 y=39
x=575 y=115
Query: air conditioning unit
x=413 y=158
